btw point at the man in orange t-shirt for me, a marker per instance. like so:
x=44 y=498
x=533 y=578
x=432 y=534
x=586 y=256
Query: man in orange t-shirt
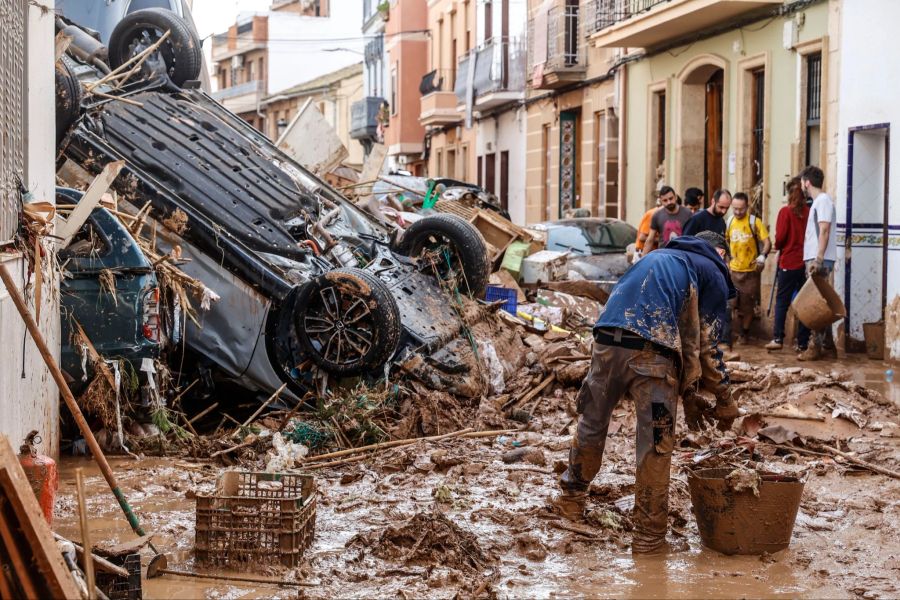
x=644 y=231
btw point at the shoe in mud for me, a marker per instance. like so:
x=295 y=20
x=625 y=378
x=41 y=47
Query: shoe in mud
x=664 y=547
x=741 y=340
x=569 y=505
x=829 y=353
x=774 y=345
x=811 y=353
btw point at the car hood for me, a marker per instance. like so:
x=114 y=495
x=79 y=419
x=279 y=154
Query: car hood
x=599 y=266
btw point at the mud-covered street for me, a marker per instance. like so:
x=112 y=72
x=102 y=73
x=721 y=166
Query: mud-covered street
x=451 y=518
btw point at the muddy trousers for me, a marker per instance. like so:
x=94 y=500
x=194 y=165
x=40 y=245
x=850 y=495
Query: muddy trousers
x=649 y=379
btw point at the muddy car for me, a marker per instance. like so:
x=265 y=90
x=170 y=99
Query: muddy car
x=596 y=246
x=110 y=291
x=305 y=277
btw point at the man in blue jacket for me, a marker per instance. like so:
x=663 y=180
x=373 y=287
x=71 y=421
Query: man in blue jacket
x=656 y=340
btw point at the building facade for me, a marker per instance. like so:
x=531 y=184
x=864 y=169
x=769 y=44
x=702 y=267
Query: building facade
x=28 y=397
x=396 y=58
x=296 y=41
x=573 y=112
x=449 y=143
x=333 y=94
x=863 y=171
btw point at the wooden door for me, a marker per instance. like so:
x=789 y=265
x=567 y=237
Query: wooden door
x=715 y=92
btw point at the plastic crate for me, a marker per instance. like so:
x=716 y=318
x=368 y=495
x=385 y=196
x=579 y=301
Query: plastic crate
x=122 y=588
x=508 y=295
x=257 y=519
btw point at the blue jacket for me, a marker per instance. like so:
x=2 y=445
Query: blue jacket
x=650 y=296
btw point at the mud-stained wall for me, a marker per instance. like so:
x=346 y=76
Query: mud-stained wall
x=28 y=397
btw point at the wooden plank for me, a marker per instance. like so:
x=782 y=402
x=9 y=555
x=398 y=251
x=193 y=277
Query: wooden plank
x=320 y=157
x=89 y=202
x=62 y=44
x=52 y=576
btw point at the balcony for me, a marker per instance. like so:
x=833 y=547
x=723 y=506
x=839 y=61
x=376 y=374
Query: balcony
x=439 y=103
x=499 y=76
x=242 y=97
x=557 y=57
x=649 y=23
x=243 y=43
x=364 y=118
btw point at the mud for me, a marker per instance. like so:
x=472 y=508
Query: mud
x=441 y=519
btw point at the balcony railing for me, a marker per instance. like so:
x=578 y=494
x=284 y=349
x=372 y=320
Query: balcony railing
x=600 y=14
x=241 y=89
x=499 y=67
x=556 y=57
x=364 y=118
x=649 y=23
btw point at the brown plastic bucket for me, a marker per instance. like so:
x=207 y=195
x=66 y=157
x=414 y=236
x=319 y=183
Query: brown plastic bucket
x=817 y=304
x=733 y=522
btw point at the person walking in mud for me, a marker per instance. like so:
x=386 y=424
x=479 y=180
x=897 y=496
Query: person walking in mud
x=657 y=340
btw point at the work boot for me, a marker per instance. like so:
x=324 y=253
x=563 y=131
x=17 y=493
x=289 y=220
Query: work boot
x=829 y=353
x=811 y=353
x=774 y=345
x=729 y=355
x=569 y=504
x=651 y=503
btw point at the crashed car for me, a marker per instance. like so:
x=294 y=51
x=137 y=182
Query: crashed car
x=110 y=291
x=596 y=246
x=305 y=277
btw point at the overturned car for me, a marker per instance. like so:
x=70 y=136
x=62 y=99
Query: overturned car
x=305 y=276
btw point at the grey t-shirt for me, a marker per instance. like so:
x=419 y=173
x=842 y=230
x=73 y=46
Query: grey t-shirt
x=669 y=225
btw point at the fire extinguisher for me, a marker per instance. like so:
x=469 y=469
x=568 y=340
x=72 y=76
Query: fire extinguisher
x=41 y=472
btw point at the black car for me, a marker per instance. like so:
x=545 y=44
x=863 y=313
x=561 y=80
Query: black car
x=305 y=277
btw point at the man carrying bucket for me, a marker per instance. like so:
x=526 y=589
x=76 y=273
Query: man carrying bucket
x=657 y=340
x=819 y=248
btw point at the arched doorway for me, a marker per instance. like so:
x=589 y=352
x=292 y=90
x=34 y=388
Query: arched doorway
x=702 y=119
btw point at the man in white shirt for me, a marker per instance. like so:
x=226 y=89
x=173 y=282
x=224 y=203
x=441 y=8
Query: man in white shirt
x=819 y=244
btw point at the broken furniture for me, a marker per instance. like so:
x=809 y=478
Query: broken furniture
x=256 y=518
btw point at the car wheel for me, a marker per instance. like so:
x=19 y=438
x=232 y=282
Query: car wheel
x=347 y=321
x=142 y=28
x=68 y=99
x=454 y=247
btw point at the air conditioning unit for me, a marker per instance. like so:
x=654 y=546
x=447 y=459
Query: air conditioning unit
x=237 y=62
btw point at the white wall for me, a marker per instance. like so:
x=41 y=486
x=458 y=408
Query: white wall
x=868 y=92
x=297 y=44
x=506 y=132
x=31 y=402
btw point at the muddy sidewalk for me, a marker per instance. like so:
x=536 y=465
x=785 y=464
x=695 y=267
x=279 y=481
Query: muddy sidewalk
x=467 y=517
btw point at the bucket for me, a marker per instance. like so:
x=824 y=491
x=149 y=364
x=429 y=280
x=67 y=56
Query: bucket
x=817 y=304
x=733 y=522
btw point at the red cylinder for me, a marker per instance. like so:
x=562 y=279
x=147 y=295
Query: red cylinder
x=42 y=474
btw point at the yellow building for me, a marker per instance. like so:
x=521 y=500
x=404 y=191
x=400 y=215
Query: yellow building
x=449 y=145
x=719 y=93
x=572 y=112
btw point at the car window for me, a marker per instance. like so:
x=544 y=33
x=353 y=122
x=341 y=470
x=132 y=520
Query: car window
x=87 y=243
x=563 y=239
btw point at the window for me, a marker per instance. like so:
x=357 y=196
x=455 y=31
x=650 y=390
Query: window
x=813 y=107
x=573 y=40
x=394 y=106
x=464 y=168
x=599 y=162
x=249 y=71
x=438 y=163
x=478 y=175
x=659 y=100
x=488 y=20
x=504 y=179
x=757 y=125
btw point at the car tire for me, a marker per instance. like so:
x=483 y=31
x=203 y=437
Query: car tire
x=465 y=242
x=347 y=308
x=181 y=51
x=68 y=99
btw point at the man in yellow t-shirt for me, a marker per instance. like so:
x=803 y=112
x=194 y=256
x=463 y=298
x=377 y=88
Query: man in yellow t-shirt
x=749 y=242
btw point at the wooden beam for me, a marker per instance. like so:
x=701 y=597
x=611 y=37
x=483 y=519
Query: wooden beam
x=89 y=202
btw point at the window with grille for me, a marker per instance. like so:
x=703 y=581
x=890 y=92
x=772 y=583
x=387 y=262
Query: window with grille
x=13 y=23
x=813 y=106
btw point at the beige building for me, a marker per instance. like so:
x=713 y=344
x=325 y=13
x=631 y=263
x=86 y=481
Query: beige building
x=449 y=144
x=333 y=94
x=719 y=94
x=572 y=115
